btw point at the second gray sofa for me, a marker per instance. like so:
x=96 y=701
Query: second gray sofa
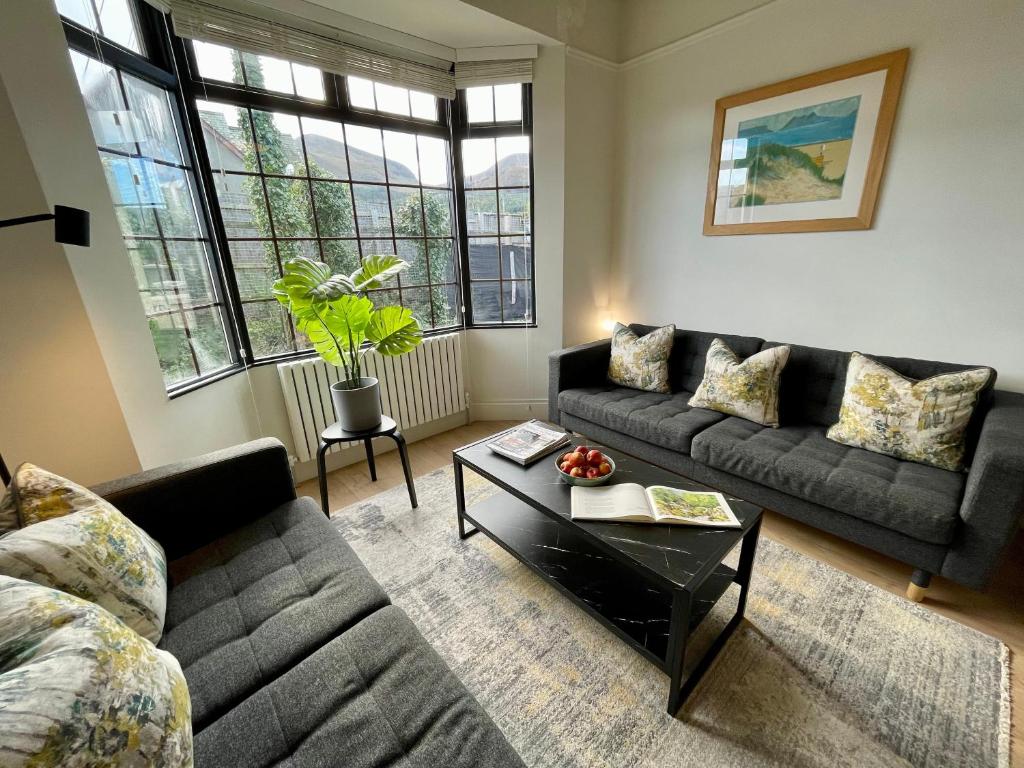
x=956 y=524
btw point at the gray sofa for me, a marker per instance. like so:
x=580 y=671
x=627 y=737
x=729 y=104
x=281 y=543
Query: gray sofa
x=292 y=652
x=940 y=522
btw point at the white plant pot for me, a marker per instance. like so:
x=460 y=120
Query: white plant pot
x=357 y=408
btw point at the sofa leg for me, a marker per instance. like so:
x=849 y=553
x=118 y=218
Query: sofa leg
x=918 y=585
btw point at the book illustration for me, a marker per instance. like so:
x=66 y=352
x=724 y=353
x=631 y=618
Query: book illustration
x=688 y=505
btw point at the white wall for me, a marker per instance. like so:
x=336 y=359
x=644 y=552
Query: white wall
x=941 y=274
x=48 y=107
x=591 y=146
x=57 y=398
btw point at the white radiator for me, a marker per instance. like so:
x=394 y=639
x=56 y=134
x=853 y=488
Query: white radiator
x=419 y=387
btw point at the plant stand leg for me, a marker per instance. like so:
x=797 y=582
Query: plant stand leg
x=321 y=472
x=369 y=459
x=406 y=467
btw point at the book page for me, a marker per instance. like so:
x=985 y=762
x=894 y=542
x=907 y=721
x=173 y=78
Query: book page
x=673 y=505
x=627 y=502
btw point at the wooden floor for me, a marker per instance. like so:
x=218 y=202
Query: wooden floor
x=998 y=611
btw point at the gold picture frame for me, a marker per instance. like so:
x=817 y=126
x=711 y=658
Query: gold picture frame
x=806 y=154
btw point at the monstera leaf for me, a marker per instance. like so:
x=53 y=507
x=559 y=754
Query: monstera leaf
x=339 y=329
x=308 y=285
x=393 y=331
x=375 y=271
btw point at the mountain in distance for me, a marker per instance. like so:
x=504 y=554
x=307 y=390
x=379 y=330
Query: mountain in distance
x=513 y=170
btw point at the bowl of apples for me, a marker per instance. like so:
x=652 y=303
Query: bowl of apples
x=585 y=466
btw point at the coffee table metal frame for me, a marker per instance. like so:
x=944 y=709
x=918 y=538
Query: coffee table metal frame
x=685 y=614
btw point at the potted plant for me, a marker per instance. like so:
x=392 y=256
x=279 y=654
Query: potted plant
x=342 y=323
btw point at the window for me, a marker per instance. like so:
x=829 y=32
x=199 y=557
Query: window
x=250 y=160
x=264 y=73
x=152 y=183
x=113 y=19
x=390 y=99
x=497 y=200
x=291 y=182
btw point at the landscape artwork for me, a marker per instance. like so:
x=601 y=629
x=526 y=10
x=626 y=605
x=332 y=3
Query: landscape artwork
x=806 y=154
x=795 y=156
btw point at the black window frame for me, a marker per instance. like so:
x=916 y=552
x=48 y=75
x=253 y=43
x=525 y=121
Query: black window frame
x=169 y=61
x=463 y=129
x=156 y=66
x=335 y=107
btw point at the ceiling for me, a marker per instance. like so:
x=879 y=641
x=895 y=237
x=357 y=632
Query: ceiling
x=451 y=23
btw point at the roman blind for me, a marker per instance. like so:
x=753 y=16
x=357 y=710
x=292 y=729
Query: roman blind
x=469 y=74
x=206 y=21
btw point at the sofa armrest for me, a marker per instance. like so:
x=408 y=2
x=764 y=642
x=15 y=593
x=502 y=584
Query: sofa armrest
x=585 y=365
x=993 y=504
x=190 y=503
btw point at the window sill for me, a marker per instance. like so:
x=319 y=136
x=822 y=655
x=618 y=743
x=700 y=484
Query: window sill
x=213 y=378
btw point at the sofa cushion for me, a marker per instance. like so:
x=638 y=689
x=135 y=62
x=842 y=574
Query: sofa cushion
x=665 y=420
x=79 y=688
x=746 y=388
x=249 y=606
x=914 y=499
x=690 y=352
x=814 y=381
x=98 y=555
x=377 y=695
x=923 y=421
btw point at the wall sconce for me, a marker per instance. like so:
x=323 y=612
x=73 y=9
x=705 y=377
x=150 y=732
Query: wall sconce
x=70 y=225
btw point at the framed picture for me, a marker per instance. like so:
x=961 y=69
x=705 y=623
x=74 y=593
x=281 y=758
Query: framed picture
x=804 y=155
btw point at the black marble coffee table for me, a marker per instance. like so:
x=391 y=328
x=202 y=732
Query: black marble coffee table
x=651 y=585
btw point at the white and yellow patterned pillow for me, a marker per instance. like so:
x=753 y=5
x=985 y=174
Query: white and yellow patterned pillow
x=41 y=495
x=95 y=552
x=78 y=688
x=923 y=421
x=641 y=362
x=8 y=514
x=748 y=388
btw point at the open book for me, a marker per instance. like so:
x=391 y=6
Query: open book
x=632 y=503
x=529 y=441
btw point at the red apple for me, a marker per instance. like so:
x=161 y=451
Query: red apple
x=594 y=458
x=565 y=466
x=605 y=468
x=577 y=472
x=576 y=459
x=582 y=449
x=593 y=472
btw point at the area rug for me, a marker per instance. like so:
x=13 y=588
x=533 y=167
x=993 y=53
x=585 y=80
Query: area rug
x=827 y=670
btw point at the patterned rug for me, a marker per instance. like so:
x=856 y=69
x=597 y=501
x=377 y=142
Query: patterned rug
x=827 y=670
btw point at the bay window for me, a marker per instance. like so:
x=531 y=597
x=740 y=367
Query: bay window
x=224 y=164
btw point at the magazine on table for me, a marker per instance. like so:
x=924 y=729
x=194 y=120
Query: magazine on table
x=529 y=441
x=632 y=503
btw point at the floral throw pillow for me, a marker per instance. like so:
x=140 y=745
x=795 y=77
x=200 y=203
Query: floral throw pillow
x=745 y=388
x=8 y=514
x=641 y=362
x=41 y=495
x=78 y=688
x=923 y=421
x=94 y=552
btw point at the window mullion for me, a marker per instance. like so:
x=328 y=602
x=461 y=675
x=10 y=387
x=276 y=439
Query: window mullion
x=226 y=283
